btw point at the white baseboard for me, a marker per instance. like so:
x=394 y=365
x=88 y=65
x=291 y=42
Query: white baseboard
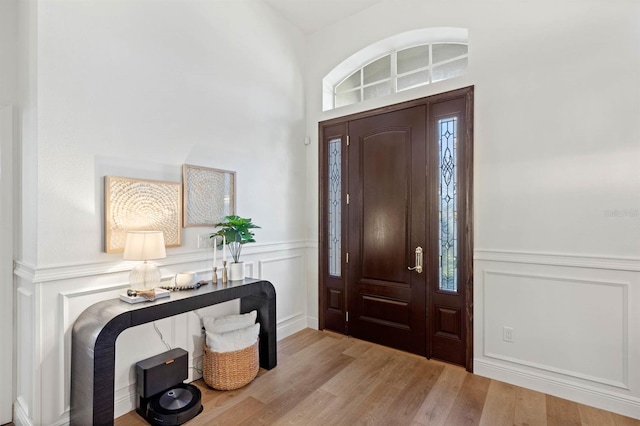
x=291 y=325
x=20 y=416
x=312 y=322
x=605 y=400
x=125 y=400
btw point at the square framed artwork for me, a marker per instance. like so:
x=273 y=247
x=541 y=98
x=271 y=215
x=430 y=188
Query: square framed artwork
x=209 y=195
x=141 y=205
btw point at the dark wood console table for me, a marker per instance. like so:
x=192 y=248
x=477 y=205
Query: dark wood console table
x=93 y=341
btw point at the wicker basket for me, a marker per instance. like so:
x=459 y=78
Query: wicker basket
x=230 y=370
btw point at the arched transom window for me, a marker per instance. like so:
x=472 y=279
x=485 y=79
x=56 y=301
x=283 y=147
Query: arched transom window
x=415 y=59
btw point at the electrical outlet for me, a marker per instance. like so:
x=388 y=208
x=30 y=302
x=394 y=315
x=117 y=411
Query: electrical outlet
x=204 y=241
x=507 y=334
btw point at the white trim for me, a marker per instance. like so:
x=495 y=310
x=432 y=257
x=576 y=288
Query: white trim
x=558 y=259
x=125 y=399
x=20 y=414
x=290 y=325
x=312 y=322
x=261 y=263
x=25 y=271
x=289 y=318
x=599 y=398
x=564 y=372
x=249 y=265
x=376 y=50
x=51 y=273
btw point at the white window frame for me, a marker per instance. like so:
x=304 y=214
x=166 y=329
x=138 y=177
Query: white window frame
x=390 y=46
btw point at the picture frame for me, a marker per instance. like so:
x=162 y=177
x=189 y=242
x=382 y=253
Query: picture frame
x=141 y=205
x=208 y=195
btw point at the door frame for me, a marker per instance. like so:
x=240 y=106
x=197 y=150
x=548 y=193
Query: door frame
x=465 y=233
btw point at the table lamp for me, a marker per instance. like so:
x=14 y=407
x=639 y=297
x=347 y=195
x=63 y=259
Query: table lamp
x=144 y=245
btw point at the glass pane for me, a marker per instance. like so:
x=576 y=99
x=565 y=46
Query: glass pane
x=448 y=213
x=442 y=52
x=413 y=58
x=412 y=80
x=449 y=70
x=347 y=98
x=335 y=207
x=350 y=82
x=377 y=90
x=377 y=70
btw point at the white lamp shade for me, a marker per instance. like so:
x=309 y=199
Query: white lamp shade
x=144 y=245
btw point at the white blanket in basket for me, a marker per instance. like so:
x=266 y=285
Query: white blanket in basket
x=231 y=333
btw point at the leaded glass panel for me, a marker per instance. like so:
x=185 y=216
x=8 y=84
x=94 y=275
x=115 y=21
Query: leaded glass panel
x=335 y=207
x=448 y=213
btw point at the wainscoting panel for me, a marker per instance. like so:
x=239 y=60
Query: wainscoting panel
x=547 y=321
x=25 y=330
x=48 y=308
x=574 y=327
x=287 y=275
x=70 y=306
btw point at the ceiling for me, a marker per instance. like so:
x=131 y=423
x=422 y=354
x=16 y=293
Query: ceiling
x=312 y=15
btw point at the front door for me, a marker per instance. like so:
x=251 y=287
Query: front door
x=396 y=237
x=386 y=225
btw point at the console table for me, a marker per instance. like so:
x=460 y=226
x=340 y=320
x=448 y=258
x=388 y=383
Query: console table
x=93 y=341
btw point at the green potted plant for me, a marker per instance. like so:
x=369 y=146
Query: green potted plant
x=236 y=231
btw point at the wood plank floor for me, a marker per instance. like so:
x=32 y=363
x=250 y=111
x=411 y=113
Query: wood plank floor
x=326 y=379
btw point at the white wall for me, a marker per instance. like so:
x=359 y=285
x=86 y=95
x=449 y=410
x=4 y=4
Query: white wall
x=8 y=101
x=138 y=89
x=26 y=221
x=557 y=192
x=155 y=86
x=6 y=263
x=8 y=51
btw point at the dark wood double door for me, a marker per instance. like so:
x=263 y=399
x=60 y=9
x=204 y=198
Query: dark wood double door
x=395 y=231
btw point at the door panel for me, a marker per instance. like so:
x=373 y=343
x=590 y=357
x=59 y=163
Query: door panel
x=384 y=186
x=386 y=189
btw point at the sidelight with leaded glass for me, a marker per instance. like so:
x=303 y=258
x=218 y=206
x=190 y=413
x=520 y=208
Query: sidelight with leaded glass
x=448 y=213
x=335 y=207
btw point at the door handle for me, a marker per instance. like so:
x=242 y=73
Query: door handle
x=418 y=267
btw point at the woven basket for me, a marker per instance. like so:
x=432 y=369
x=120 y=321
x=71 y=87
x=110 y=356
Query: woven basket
x=230 y=370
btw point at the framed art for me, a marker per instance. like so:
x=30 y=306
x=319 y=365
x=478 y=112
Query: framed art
x=141 y=205
x=209 y=195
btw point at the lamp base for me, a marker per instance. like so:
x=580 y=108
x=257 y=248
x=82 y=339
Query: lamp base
x=146 y=275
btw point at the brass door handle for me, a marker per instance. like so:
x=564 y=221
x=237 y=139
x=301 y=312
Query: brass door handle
x=418 y=267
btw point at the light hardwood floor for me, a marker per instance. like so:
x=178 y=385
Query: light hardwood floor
x=328 y=379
